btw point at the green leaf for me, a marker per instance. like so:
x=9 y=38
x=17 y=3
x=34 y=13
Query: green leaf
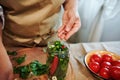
x=25 y=69
x=14 y=53
x=57 y=43
x=34 y=67
x=21 y=59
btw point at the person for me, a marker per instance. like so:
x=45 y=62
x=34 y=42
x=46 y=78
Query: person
x=33 y=23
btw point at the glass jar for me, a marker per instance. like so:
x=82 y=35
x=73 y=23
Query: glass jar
x=58 y=59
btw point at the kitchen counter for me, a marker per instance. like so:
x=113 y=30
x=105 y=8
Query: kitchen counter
x=79 y=50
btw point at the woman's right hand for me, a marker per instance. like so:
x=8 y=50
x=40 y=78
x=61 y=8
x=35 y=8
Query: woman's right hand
x=6 y=70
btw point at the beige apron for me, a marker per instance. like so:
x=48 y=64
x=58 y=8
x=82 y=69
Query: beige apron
x=29 y=22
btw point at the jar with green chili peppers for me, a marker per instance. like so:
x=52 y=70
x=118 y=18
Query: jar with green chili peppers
x=58 y=60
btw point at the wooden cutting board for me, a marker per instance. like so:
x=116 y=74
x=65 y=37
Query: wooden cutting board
x=31 y=55
x=37 y=54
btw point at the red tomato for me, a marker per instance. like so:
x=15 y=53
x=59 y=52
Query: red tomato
x=107 y=57
x=96 y=58
x=104 y=72
x=94 y=66
x=54 y=65
x=115 y=72
x=63 y=47
x=116 y=63
x=106 y=64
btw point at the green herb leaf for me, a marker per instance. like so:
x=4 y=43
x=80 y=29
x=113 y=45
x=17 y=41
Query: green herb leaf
x=14 y=53
x=21 y=59
x=56 y=46
x=35 y=67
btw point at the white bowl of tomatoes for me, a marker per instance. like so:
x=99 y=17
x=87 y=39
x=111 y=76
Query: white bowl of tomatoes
x=103 y=64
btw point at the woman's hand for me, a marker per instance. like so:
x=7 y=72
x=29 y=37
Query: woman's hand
x=6 y=70
x=71 y=20
x=71 y=24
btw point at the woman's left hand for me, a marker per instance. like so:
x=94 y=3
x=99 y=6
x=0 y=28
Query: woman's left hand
x=71 y=24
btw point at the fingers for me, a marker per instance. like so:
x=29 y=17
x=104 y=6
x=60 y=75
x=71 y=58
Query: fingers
x=61 y=28
x=65 y=35
x=61 y=32
x=71 y=24
x=65 y=28
x=61 y=35
x=72 y=31
x=65 y=21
